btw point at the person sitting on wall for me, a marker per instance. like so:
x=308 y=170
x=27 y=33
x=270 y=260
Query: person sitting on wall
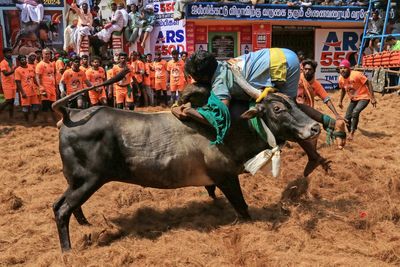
x=148 y=19
x=31 y=10
x=116 y=25
x=85 y=21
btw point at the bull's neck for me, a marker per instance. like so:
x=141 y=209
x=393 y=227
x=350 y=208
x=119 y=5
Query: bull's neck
x=244 y=141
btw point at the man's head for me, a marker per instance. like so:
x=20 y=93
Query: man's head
x=184 y=55
x=121 y=6
x=134 y=56
x=85 y=7
x=32 y=57
x=76 y=63
x=309 y=67
x=201 y=66
x=391 y=40
x=122 y=58
x=375 y=14
x=157 y=55
x=85 y=60
x=175 y=55
x=22 y=60
x=134 y=8
x=7 y=52
x=301 y=56
x=149 y=57
x=38 y=54
x=96 y=61
x=114 y=7
x=46 y=53
x=345 y=68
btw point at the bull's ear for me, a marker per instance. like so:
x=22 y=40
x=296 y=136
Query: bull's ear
x=251 y=113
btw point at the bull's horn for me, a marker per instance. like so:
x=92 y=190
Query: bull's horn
x=248 y=88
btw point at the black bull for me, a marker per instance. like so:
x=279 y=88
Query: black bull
x=102 y=144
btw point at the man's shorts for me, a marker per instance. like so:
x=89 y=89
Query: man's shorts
x=177 y=87
x=121 y=96
x=95 y=96
x=30 y=100
x=9 y=93
x=160 y=86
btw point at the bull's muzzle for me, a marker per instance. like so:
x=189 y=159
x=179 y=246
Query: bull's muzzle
x=310 y=131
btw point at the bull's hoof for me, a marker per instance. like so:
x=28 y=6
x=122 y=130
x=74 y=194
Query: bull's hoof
x=241 y=219
x=313 y=164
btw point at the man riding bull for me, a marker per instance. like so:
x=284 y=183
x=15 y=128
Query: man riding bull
x=270 y=70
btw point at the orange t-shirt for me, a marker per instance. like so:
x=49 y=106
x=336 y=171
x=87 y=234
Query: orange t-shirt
x=127 y=80
x=6 y=81
x=46 y=71
x=148 y=78
x=74 y=81
x=308 y=90
x=176 y=70
x=59 y=65
x=138 y=66
x=96 y=77
x=355 y=86
x=160 y=72
x=83 y=68
x=27 y=77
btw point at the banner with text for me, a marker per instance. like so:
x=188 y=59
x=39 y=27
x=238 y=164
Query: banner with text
x=46 y=3
x=332 y=46
x=167 y=34
x=275 y=12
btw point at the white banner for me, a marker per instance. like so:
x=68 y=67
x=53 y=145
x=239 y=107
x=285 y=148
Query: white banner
x=331 y=47
x=167 y=34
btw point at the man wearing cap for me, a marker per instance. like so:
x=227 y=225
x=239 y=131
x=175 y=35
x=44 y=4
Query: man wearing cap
x=148 y=22
x=359 y=89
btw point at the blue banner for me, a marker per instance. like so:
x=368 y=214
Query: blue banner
x=275 y=12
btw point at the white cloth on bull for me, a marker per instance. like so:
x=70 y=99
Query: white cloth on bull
x=31 y=12
x=272 y=155
x=105 y=34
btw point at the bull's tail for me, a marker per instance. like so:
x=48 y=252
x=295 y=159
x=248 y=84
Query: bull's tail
x=60 y=106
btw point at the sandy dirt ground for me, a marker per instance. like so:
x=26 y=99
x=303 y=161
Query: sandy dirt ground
x=349 y=217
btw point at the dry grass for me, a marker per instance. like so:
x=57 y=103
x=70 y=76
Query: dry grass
x=347 y=218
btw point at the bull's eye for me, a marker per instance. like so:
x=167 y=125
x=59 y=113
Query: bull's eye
x=277 y=109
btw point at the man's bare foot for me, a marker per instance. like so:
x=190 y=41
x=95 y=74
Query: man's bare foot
x=351 y=137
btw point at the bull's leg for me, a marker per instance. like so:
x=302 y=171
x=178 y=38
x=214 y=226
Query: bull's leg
x=211 y=191
x=67 y=204
x=314 y=158
x=231 y=189
x=80 y=217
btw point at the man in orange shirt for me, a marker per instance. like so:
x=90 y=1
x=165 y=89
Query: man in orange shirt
x=138 y=71
x=309 y=87
x=176 y=73
x=148 y=79
x=74 y=80
x=32 y=62
x=110 y=88
x=160 y=79
x=96 y=75
x=359 y=89
x=7 y=82
x=59 y=68
x=123 y=89
x=27 y=87
x=45 y=77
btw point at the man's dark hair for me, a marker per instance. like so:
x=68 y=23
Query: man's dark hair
x=21 y=57
x=390 y=38
x=96 y=58
x=7 y=50
x=174 y=52
x=122 y=54
x=75 y=58
x=84 y=56
x=201 y=66
x=184 y=53
x=310 y=62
